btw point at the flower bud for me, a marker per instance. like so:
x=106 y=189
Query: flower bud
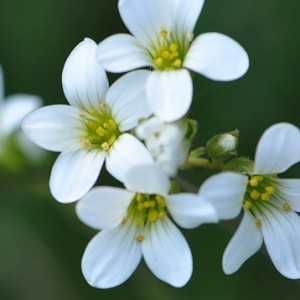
x=223 y=146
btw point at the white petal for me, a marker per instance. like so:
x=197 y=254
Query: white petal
x=74 y=173
x=54 y=127
x=146 y=19
x=126 y=152
x=121 y=53
x=104 y=207
x=169 y=94
x=245 y=242
x=217 y=57
x=186 y=13
x=278 y=149
x=167 y=253
x=190 y=210
x=111 y=257
x=84 y=81
x=14 y=110
x=282 y=239
x=226 y=192
x=147 y=179
x=127 y=99
x=289 y=191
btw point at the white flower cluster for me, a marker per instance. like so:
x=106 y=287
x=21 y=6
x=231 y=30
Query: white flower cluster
x=139 y=127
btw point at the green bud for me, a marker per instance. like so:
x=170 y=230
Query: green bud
x=223 y=146
x=242 y=165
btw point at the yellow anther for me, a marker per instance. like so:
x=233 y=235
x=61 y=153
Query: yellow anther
x=258 y=223
x=86 y=143
x=270 y=189
x=286 y=207
x=139 y=197
x=112 y=124
x=140 y=238
x=152 y=203
x=177 y=63
x=146 y=204
x=265 y=196
x=106 y=125
x=104 y=146
x=94 y=112
x=140 y=206
x=166 y=55
x=153 y=215
x=253 y=181
x=158 y=61
x=164 y=33
x=92 y=125
x=254 y=194
x=111 y=140
x=173 y=47
x=160 y=201
x=101 y=131
x=247 y=205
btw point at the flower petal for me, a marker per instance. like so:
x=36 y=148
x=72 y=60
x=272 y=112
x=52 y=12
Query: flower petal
x=127 y=99
x=167 y=253
x=111 y=257
x=147 y=179
x=84 y=81
x=217 y=57
x=190 y=211
x=278 y=149
x=104 y=207
x=186 y=13
x=74 y=173
x=169 y=94
x=226 y=192
x=282 y=239
x=14 y=110
x=121 y=53
x=146 y=19
x=127 y=151
x=245 y=242
x=289 y=191
x=54 y=127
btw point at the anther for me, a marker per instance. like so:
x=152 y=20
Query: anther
x=286 y=207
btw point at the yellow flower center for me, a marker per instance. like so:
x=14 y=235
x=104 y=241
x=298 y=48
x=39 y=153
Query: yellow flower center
x=101 y=128
x=146 y=208
x=170 y=53
x=260 y=190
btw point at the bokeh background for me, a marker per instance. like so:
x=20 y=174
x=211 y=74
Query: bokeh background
x=42 y=241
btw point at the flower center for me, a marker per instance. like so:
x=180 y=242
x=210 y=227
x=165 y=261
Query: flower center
x=101 y=128
x=146 y=208
x=169 y=54
x=261 y=191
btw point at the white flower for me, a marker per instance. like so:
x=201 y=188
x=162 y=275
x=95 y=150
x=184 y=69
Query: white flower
x=93 y=128
x=135 y=223
x=166 y=142
x=162 y=38
x=13 y=109
x=269 y=203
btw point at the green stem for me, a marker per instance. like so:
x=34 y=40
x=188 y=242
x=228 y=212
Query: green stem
x=196 y=162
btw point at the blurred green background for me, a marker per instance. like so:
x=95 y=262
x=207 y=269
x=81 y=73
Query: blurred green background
x=41 y=241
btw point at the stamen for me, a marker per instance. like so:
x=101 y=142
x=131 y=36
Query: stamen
x=258 y=223
x=286 y=207
x=140 y=238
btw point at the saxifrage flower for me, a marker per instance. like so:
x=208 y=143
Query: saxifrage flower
x=136 y=223
x=93 y=128
x=162 y=38
x=270 y=204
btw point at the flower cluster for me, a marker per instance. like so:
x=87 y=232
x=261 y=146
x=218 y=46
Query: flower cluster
x=138 y=126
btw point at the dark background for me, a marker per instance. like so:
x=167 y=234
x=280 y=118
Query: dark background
x=41 y=241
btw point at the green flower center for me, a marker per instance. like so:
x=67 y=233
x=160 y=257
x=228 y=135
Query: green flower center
x=260 y=190
x=170 y=53
x=101 y=128
x=146 y=208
